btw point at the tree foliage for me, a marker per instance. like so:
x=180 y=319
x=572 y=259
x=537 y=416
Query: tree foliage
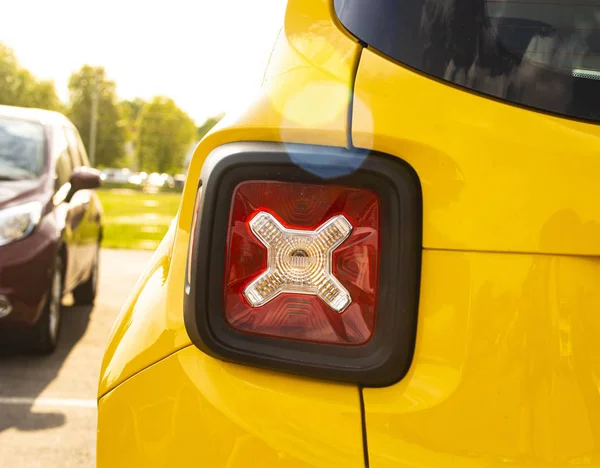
x=111 y=131
x=165 y=133
x=18 y=87
x=158 y=133
x=130 y=112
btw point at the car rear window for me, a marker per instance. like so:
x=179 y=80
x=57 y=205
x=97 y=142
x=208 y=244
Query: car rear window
x=538 y=53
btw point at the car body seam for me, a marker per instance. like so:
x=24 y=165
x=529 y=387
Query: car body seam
x=148 y=366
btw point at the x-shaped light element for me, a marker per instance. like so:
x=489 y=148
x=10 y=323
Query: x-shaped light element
x=299 y=261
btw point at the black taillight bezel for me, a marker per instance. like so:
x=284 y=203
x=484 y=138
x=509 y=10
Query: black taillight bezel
x=386 y=358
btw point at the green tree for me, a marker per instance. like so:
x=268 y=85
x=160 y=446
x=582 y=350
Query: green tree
x=130 y=112
x=164 y=136
x=18 y=87
x=43 y=96
x=131 y=109
x=111 y=130
x=207 y=126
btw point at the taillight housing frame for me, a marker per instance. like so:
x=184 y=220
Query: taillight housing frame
x=387 y=356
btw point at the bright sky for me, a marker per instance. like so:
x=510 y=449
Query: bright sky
x=205 y=54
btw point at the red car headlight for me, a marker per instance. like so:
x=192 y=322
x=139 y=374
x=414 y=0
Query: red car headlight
x=306 y=259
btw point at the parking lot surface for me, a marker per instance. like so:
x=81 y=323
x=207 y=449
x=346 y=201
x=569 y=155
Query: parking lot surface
x=48 y=404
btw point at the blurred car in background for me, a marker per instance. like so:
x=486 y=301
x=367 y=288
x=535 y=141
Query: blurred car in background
x=50 y=224
x=179 y=180
x=138 y=178
x=155 y=180
x=120 y=176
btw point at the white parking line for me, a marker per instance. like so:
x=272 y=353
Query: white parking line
x=53 y=402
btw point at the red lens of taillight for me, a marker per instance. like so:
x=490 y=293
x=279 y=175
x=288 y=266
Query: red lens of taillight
x=321 y=244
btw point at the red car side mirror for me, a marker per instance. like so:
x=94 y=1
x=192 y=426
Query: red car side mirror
x=85 y=178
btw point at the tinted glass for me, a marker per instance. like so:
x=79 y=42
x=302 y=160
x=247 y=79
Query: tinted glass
x=539 y=53
x=74 y=148
x=64 y=165
x=82 y=152
x=22 y=147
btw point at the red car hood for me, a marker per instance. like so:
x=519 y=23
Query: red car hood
x=14 y=191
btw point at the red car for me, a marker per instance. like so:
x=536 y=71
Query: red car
x=50 y=224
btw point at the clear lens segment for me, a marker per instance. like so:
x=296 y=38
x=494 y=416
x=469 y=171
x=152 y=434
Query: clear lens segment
x=18 y=221
x=299 y=261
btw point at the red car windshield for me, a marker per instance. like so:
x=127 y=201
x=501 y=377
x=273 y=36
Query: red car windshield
x=21 y=149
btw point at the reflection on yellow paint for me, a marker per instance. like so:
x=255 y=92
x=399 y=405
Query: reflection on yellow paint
x=505 y=367
x=493 y=175
x=192 y=410
x=296 y=104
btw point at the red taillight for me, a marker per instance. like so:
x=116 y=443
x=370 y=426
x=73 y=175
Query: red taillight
x=302 y=261
x=306 y=259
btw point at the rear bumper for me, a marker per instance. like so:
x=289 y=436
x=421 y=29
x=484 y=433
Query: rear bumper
x=191 y=410
x=25 y=275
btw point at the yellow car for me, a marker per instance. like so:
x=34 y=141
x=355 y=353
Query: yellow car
x=390 y=258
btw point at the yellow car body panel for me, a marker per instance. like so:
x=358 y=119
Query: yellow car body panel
x=146 y=330
x=507 y=363
x=162 y=402
x=495 y=177
x=304 y=99
x=506 y=367
x=192 y=410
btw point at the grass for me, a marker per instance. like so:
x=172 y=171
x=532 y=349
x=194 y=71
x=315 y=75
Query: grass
x=136 y=220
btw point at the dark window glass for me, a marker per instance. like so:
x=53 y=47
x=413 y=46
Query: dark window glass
x=22 y=147
x=538 y=53
x=74 y=148
x=62 y=156
x=82 y=152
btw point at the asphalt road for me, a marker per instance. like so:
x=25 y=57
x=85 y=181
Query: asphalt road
x=48 y=405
